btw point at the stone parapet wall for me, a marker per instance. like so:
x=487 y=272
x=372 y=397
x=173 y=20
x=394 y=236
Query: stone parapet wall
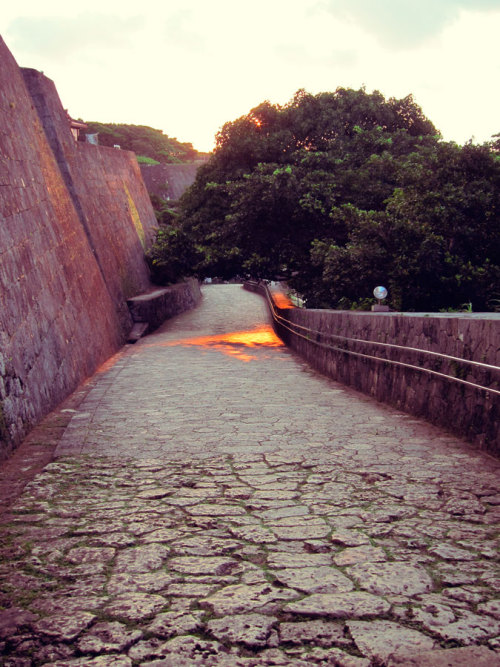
x=74 y=222
x=161 y=304
x=470 y=412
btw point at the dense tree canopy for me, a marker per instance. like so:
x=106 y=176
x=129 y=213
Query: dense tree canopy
x=144 y=141
x=339 y=192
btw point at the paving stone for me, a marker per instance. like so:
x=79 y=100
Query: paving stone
x=469 y=628
x=315 y=579
x=150 y=582
x=391 y=578
x=335 y=656
x=143 y=558
x=135 y=606
x=361 y=554
x=251 y=630
x=215 y=565
x=242 y=598
x=64 y=628
x=319 y=633
x=173 y=623
x=381 y=640
x=492 y=608
x=298 y=560
x=108 y=637
x=343 y=605
x=479 y=656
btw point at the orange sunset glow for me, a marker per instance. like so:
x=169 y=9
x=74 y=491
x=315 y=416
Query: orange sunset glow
x=235 y=343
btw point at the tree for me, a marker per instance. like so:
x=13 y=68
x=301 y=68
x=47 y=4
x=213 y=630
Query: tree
x=341 y=191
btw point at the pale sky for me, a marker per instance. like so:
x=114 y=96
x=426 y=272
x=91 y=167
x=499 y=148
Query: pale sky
x=188 y=66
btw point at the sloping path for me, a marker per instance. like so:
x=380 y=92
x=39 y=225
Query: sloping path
x=216 y=502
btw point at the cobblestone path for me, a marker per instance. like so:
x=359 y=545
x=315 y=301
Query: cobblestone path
x=215 y=502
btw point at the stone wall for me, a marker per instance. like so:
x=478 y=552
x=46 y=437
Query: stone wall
x=74 y=222
x=472 y=413
x=154 y=307
x=169 y=181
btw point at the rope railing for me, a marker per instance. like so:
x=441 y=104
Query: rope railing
x=313 y=336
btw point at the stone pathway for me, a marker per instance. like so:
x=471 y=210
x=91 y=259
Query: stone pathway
x=215 y=502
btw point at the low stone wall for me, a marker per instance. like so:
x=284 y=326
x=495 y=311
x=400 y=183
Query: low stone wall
x=155 y=307
x=470 y=412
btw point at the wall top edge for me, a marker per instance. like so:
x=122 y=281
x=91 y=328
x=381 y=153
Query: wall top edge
x=459 y=316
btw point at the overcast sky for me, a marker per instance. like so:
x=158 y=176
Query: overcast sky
x=188 y=66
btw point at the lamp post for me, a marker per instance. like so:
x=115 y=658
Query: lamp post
x=380 y=293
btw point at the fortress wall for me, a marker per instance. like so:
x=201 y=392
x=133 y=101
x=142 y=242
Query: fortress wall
x=73 y=221
x=108 y=193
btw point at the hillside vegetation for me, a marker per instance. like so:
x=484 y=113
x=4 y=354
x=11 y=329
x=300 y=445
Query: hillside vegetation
x=150 y=145
x=340 y=192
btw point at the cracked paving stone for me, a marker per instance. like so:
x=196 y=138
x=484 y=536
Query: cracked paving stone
x=64 y=628
x=135 y=606
x=335 y=656
x=172 y=623
x=251 y=630
x=206 y=509
x=317 y=579
x=469 y=628
x=297 y=560
x=99 y=661
x=108 y=637
x=349 y=538
x=448 y=552
x=257 y=534
x=343 y=605
x=361 y=554
x=479 y=656
x=242 y=598
x=185 y=646
x=380 y=640
x=90 y=555
x=152 y=582
x=320 y=633
x=388 y=578
x=211 y=565
x=143 y=558
x=205 y=546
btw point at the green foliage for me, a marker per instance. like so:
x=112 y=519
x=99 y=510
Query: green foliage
x=144 y=141
x=342 y=191
x=142 y=159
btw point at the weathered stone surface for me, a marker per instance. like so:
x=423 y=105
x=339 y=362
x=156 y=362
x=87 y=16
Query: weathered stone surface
x=215 y=565
x=108 y=637
x=173 y=623
x=391 y=578
x=335 y=656
x=135 y=606
x=64 y=628
x=241 y=598
x=478 y=656
x=349 y=538
x=149 y=582
x=143 y=558
x=318 y=633
x=342 y=605
x=492 y=608
x=251 y=630
x=320 y=579
x=286 y=559
x=381 y=640
x=361 y=554
x=449 y=552
x=469 y=628
x=100 y=661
